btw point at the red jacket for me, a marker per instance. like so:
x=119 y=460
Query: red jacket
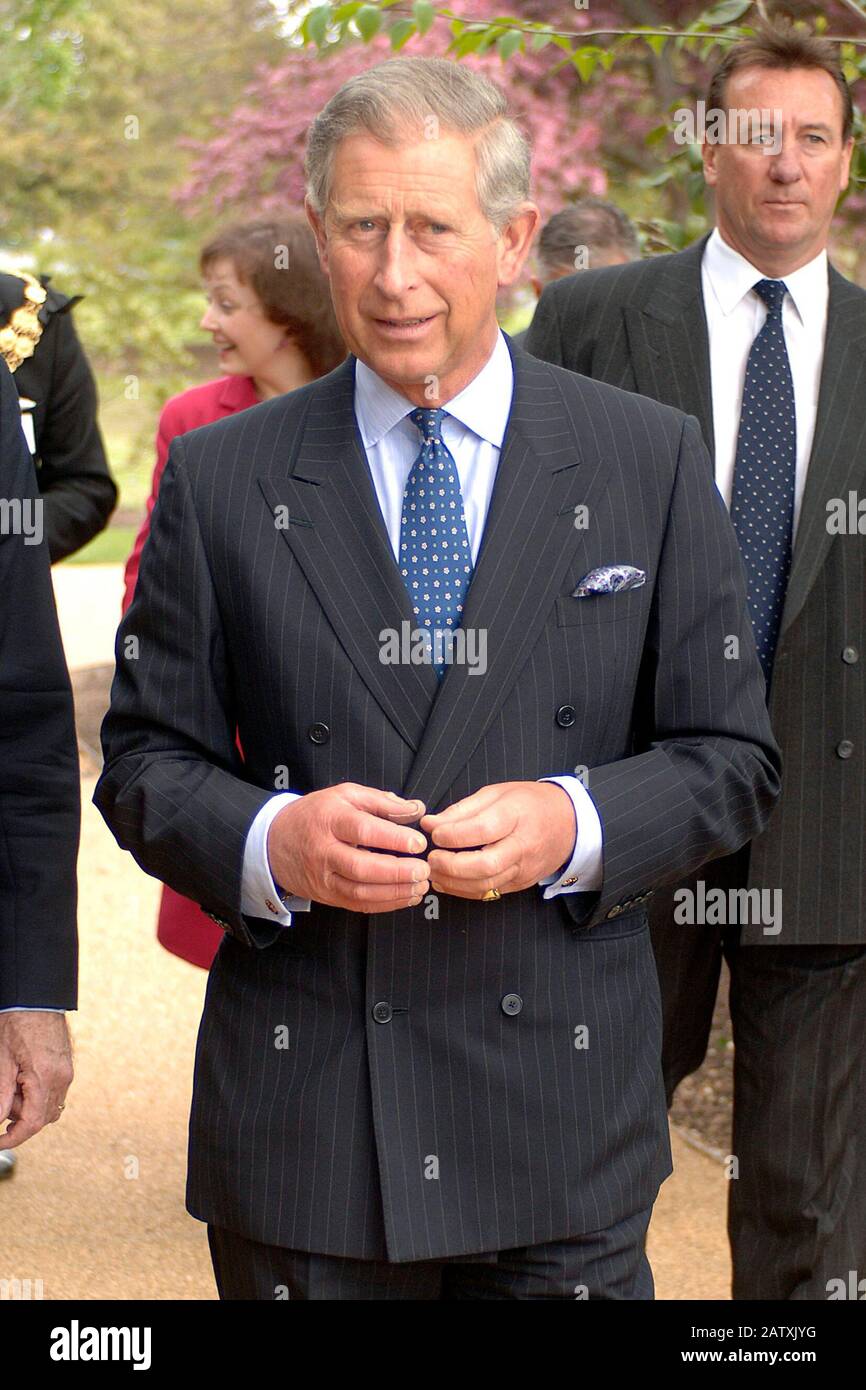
x=200 y=405
x=182 y=927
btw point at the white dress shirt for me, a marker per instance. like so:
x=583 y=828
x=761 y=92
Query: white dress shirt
x=473 y=429
x=735 y=315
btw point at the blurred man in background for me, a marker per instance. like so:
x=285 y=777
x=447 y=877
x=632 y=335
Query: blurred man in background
x=585 y=236
x=58 y=404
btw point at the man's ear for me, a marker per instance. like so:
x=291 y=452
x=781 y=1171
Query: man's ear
x=846 y=163
x=515 y=240
x=318 y=225
x=708 y=155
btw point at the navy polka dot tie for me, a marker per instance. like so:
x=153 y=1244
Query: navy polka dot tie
x=762 y=499
x=435 y=556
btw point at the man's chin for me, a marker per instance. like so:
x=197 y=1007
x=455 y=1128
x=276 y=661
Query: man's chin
x=408 y=364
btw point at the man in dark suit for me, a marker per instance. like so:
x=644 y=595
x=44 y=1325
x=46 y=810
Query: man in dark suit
x=58 y=410
x=429 y=1061
x=692 y=330
x=39 y=808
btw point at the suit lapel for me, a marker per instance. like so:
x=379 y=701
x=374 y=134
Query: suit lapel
x=669 y=342
x=333 y=525
x=837 y=456
x=547 y=467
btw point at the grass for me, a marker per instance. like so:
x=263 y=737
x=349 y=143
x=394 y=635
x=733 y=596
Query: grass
x=110 y=547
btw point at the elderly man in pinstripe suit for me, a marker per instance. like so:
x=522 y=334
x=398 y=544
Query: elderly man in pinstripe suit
x=693 y=330
x=429 y=1062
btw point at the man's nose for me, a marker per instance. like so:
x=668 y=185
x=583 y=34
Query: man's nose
x=786 y=165
x=396 y=272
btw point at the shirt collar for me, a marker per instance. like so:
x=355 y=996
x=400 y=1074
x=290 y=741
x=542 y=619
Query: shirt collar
x=731 y=277
x=482 y=406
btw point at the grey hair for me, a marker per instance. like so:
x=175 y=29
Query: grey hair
x=590 y=222
x=407 y=96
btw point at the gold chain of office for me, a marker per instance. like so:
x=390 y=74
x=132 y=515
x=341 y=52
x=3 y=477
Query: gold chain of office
x=18 y=338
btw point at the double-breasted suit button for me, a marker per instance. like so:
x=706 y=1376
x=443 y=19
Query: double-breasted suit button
x=850 y=655
x=565 y=716
x=382 y=1012
x=511 y=1004
x=318 y=733
x=844 y=748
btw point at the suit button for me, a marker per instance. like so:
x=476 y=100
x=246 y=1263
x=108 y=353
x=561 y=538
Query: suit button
x=565 y=716
x=615 y=910
x=511 y=1004
x=318 y=733
x=845 y=748
x=382 y=1012
x=850 y=655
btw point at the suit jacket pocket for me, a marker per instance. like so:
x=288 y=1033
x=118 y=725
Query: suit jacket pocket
x=627 y=924
x=597 y=609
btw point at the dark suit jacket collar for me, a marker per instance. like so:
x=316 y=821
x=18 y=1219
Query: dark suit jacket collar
x=677 y=285
x=836 y=461
x=668 y=339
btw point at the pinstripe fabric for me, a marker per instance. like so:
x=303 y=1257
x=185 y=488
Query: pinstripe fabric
x=609 y=1264
x=642 y=327
x=455 y=1127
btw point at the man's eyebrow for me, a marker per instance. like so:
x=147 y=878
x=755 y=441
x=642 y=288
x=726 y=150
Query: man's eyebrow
x=816 y=125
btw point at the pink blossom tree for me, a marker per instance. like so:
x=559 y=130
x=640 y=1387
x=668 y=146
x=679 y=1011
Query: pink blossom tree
x=595 y=86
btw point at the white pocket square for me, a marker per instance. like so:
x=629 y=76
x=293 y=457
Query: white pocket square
x=609 y=579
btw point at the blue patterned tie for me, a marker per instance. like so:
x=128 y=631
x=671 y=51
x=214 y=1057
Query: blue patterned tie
x=762 y=499
x=435 y=556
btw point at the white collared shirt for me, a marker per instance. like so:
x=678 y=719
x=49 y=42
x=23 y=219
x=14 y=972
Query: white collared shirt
x=473 y=429
x=735 y=315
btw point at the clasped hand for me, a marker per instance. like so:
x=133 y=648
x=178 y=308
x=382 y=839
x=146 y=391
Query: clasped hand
x=355 y=847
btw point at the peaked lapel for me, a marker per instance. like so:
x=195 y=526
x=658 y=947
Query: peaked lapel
x=547 y=466
x=335 y=529
x=668 y=339
x=839 y=447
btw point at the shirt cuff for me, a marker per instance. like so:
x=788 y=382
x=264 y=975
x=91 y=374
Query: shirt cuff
x=32 y=1009
x=584 y=872
x=260 y=896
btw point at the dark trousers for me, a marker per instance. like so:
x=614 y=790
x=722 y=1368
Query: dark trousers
x=797 y=1207
x=608 y=1264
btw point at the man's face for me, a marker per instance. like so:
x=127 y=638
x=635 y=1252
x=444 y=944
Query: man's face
x=776 y=208
x=414 y=265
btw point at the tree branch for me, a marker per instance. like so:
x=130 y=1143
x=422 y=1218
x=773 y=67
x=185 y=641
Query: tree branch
x=855 y=8
x=527 y=27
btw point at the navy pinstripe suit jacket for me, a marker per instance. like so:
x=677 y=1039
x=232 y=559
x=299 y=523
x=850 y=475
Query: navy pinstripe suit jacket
x=456 y=1125
x=642 y=327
